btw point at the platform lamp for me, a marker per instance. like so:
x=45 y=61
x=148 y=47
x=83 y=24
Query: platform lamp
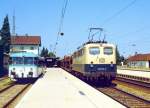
x=61 y=33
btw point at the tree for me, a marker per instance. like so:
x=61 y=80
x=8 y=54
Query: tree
x=46 y=53
x=4 y=43
x=42 y=52
x=118 y=56
x=51 y=54
x=5 y=33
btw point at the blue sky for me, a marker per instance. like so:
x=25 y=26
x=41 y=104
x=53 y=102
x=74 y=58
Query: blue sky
x=42 y=17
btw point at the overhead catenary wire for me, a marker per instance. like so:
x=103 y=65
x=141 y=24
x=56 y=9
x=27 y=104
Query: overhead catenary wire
x=119 y=12
x=63 y=11
x=115 y=15
x=62 y=15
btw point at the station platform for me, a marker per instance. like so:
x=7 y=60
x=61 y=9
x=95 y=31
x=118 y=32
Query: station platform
x=138 y=73
x=59 y=89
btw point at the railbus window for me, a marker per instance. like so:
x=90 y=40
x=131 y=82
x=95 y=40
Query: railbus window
x=28 y=60
x=108 y=50
x=17 y=60
x=94 y=50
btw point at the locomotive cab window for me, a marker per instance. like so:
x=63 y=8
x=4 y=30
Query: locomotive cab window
x=94 y=50
x=108 y=50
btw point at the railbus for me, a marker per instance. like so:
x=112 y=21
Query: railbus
x=25 y=65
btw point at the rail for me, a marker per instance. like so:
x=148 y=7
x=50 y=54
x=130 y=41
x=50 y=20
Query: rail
x=11 y=93
x=128 y=100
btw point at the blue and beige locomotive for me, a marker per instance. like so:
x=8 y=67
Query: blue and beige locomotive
x=24 y=65
x=95 y=61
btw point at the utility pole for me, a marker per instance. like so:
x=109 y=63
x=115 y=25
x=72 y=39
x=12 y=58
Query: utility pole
x=14 y=25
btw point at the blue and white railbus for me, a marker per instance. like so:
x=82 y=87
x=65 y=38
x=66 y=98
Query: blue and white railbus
x=24 y=65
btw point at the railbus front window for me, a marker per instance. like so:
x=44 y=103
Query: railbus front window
x=94 y=50
x=28 y=60
x=17 y=60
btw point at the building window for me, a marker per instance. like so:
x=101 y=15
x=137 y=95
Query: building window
x=31 y=48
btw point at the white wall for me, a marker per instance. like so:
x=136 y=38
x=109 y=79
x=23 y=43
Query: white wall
x=25 y=48
x=139 y=64
x=147 y=64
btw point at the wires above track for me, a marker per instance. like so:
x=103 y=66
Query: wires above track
x=119 y=12
x=60 y=33
x=62 y=16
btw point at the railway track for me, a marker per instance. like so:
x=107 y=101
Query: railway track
x=5 y=83
x=8 y=95
x=125 y=98
x=143 y=84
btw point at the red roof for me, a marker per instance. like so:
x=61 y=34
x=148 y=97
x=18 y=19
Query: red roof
x=140 y=57
x=25 y=40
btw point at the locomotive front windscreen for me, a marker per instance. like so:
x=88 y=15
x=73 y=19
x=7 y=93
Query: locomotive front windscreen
x=108 y=50
x=94 y=50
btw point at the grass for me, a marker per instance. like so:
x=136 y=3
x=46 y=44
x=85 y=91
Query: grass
x=5 y=82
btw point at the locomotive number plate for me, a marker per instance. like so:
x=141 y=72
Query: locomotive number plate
x=101 y=69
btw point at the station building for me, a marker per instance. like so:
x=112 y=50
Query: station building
x=25 y=44
x=139 y=61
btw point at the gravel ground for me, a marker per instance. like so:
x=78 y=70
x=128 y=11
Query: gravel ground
x=7 y=95
x=134 y=89
x=5 y=83
x=16 y=101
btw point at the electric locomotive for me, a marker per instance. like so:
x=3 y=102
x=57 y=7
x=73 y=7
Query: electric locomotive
x=95 y=61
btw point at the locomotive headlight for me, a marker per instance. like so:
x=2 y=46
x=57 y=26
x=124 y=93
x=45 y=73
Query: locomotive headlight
x=91 y=65
x=111 y=64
